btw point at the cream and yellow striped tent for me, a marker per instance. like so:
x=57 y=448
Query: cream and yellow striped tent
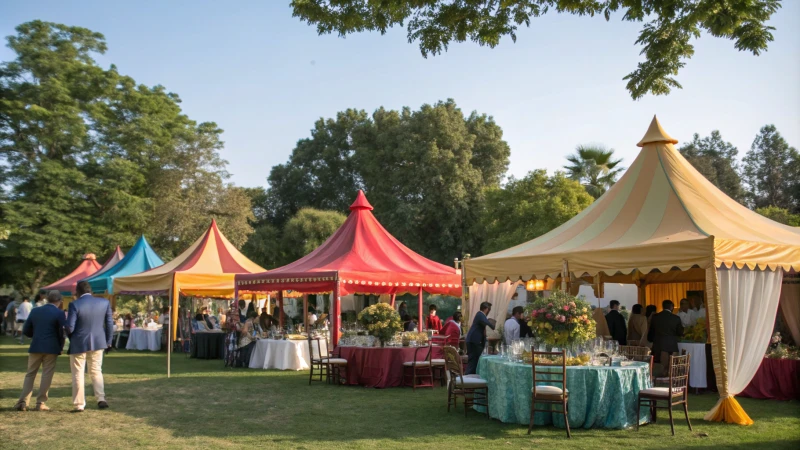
x=661 y=218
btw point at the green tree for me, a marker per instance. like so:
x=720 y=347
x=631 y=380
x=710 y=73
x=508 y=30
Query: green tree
x=665 y=37
x=529 y=207
x=780 y=215
x=307 y=230
x=594 y=167
x=715 y=159
x=772 y=171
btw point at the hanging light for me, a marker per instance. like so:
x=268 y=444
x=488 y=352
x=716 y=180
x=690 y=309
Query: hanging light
x=534 y=285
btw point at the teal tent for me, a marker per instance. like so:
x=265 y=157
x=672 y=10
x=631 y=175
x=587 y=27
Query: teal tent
x=140 y=258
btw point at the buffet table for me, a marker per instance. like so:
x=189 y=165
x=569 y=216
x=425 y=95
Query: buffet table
x=697 y=363
x=380 y=367
x=776 y=379
x=599 y=396
x=144 y=339
x=283 y=354
x=208 y=345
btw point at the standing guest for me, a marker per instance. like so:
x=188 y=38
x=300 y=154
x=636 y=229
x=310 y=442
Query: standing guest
x=207 y=318
x=403 y=309
x=637 y=327
x=433 y=322
x=616 y=324
x=90 y=329
x=476 y=338
x=685 y=313
x=312 y=316
x=242 y=313
x=699 y=309
x=665 y=330
x=45 y=326
x=525 y=330
x=511 y=327
x=248 y=331
x=11 y=317
x=23 y=310
x=40 y=300
x=163 y=320
x=452 y=329
x=600 y=323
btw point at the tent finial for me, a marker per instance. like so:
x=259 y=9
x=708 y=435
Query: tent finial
x=655 y=133
x=361 y=202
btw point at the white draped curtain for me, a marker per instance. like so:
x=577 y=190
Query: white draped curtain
x=498 y=294
x=748 y=304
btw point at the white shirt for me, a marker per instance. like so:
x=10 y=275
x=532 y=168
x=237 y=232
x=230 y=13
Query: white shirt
x=699 y=314
x=511 y=330
x=687 y=318
x=312 y=319
x=24 y=310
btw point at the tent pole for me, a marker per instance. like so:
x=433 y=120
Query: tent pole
x=305 y=312
x=394 y=297
x=565 y=276
x=280 y=309
x=172 y=317
x=419 y=311
x=336 y=310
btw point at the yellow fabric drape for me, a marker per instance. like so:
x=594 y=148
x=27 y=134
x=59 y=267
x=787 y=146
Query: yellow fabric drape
x=727 y=408
x=657 y=293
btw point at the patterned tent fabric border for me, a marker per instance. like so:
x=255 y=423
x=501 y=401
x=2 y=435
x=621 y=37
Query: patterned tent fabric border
x=357 y=282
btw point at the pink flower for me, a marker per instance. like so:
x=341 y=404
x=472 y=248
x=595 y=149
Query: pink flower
x=533 y=314
x=549 y=305
x=561 y=318
x=549 y=316
x=566 y=307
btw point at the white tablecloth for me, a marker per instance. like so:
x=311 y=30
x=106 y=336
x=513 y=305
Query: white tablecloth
x=282 y=355
x=144 y=339
x=697 y=363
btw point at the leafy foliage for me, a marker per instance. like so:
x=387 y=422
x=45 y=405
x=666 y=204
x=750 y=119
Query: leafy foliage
x=308 y=229
x=594 y=167
x=772 y=172
x=780 y=215
x=665 y=38
x=530 y=207
x=715 y=159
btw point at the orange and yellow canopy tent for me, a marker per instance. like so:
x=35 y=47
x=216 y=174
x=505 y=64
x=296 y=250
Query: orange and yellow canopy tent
x=661 y=221
x=207 y=268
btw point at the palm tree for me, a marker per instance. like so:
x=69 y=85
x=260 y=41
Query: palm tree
x=594 y=167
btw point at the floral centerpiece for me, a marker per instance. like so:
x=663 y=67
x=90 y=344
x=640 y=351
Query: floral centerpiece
x=562 y=319
x=381 y=321
x=696 y=333
x=778 y=350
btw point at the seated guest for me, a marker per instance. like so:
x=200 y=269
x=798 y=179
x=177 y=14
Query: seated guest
x=265 y=320
x=452 y=329
x=199 y=323
x=242 y=314
x=637 y=327
x=511 y=327
x=247 y=338
x=616 y=324
x=600 y=322
x=312 y=316
x=206 y=318
x=411 y=325
x=686 y=314
x=214 y=323
x=433 y=322
x=665 y=330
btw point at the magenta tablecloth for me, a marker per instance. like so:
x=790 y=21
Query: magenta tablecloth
x=380 y=367
x=776 y=379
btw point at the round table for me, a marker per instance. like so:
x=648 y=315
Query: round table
x=599 y=396
x=208 y=345
x=144 y=339
x=283 y=354
x=380 y=367
x=697 y=363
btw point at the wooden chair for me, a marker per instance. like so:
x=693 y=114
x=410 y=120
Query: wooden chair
x=318 y=360
x=474 y=389
x=676 y=393
x=662 y=380
x=636 y=353
x=437 y=364
x=335 y=366
x=419 y=369
x=553 y=395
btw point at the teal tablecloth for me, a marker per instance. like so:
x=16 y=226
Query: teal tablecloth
x=599 y=396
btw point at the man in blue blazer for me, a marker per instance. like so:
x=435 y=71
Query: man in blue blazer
x=45 y=325
x=90 y=327
x=476 y=337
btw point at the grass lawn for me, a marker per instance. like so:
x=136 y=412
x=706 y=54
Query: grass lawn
x=205 y=405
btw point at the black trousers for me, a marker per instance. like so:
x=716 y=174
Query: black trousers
x=473 y=355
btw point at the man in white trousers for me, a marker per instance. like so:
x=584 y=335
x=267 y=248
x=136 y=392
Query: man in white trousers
x=90 y=327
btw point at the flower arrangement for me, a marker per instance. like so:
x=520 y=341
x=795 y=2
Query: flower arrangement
x=562 y=319
x=778 y=350
x=381 y=321
x=696 y=333
x=419 y=338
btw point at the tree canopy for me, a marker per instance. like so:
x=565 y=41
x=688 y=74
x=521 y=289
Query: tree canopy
x=716 y=160
x=670 y=25
x=90 y=159
x=772 y=171
x=594 y=167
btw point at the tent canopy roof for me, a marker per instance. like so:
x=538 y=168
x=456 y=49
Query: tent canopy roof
x=67 y=285
x=364 y=258
x=112 y=261
x=207 y=267
x=661 y=214
x=140 y=258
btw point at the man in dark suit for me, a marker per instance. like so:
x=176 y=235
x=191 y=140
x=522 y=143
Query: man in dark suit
x=476 y=337
x=45 y=325
x=90 y=327
x=665 y=330
x=616 y=324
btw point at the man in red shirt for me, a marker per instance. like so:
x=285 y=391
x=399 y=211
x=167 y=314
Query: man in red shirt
x=434 y=322
x=452 y=329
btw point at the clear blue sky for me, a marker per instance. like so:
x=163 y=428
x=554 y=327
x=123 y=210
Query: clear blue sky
x=265 y=77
